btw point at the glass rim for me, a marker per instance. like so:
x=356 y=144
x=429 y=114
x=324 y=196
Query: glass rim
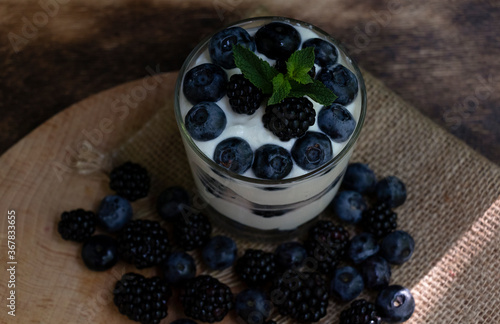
x=330 y=164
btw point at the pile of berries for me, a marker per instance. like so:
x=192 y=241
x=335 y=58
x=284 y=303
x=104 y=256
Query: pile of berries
x=218 y=99
x=298 y=279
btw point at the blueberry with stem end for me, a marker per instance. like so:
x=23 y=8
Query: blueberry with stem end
x=391 y=190
x=395 y=304
x=219 y=253
x=346 y=284
x=100 y=252
x=361 y=247
x=397 y=247
x=234 y=154
x=349 y=206
x=114 y=213
x=178 y=268
x=253 y=306
x=290 y=255
x=205 y=121
x=312 y=150
x=205 y=82
x=272 y=162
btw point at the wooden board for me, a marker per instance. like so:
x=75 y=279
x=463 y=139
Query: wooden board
x=52 y=285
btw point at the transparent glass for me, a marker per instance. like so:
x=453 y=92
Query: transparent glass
x=258 y=207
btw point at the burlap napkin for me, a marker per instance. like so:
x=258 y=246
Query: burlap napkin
x=452 y=211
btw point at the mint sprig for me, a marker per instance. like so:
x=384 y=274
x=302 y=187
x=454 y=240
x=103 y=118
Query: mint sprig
x=295 y=83
x=299 y=64
x=255 y=69
x=281 y=88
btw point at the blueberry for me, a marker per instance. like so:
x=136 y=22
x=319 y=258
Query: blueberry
x=359 y=177
x=183 y=321
x=205 y=82
x=171 y=202
x=179 y=267
x=114 y=213
x=341 y=81
x=290 y=255
x=376 y=272
x=325 y=52
x=205 y=121
x=361 y=247
x=277 y=40
x=234 y=154
x=395 y=304
x=221 y=45
x=253 y=306
x=349 y=206
x=100 y=252
x=397 y=247
x=337 y=122
x=219 y=253
x=272 y=162
x=312 y=150
x=346 y=283
x=392 y=191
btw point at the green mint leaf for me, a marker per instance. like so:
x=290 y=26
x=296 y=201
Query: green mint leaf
x=317 y=91
x=281 y=89
x=256 y=70
x=299 y=64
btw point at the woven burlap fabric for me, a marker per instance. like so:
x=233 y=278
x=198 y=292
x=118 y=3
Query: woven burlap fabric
x=452 y=210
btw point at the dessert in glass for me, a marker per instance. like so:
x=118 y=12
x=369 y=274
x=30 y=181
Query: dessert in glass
x=267 y=142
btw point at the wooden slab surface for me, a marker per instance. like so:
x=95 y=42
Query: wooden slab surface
x=52 y=285
x=440 y=56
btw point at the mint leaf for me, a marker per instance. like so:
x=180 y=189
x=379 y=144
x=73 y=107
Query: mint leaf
x=281 y=89
x=256 y=70
x=317 y=91
x=299 y=64
x=296 y=83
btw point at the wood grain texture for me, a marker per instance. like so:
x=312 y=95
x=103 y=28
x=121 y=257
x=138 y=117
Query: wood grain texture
x=52 y=283
x=442 y=57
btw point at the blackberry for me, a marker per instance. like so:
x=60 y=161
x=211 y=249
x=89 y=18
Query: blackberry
x=379 y=220
x=206 y=299
x=360 y=312
x=280 y=65
x=142 y=299
x=256 y=267
x=290 y=118
x=192 y=232
x=130 y=180
x=244 y=97
x=77 y=225
x=327 y=243
x=143 y=243
x=301 y=295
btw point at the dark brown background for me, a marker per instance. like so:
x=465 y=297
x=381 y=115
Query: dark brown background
x=441 y=56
